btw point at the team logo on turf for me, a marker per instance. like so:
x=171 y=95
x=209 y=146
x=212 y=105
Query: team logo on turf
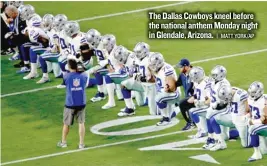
x=76 y=82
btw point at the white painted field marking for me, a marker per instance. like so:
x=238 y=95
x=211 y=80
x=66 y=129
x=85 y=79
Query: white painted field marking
x=199 y=61
x=93 y=147
x=133 y=11
x=206 y=158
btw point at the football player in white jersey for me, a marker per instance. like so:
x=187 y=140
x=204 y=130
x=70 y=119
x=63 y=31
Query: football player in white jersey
x=53 y=53
x=200 y=98
x=167 y=92
x=37 y=34
x=235 y=117
x=258 y=120
x=218 y=74
x=106 y=61
x=141 y=82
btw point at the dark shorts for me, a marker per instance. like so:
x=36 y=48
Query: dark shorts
x=69 y=114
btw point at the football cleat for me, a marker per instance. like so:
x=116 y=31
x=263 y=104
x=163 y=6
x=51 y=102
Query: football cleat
x=126 y=112
x=218 y=146
x=164 y=121
x=43 y=80
x=188 y=126
x=123 y=109
x=61 y=86
x=23 y=70
x=31 y=76
x=81 y=146
x=14 y=57
x=62 y=145
x=209 y=143
x=108 y=106
x=98 y=97
x=255 y=156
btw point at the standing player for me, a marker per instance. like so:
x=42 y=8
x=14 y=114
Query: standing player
x=167 y=93
x=235 y=117
x=200 y=99
x=218 y=74
x=258 y=123
x=142 y=81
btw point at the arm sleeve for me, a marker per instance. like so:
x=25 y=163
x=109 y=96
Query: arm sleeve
x=179 y=81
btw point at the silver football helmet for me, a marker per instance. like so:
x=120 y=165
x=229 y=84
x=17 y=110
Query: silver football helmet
x=155 y=61
x=108 y=42
x=141 y=50
x=197 y=74
x=256 y=90
x=47 y=21
x=218 y=73
x=225 y=93
x=59 y=21
x=17 y=4
x=35 y=21
x=71 y=28
x=121 y=54
x=93 y=37
x=26 y=12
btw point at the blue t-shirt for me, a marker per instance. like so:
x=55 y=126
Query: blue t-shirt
x=75 y=89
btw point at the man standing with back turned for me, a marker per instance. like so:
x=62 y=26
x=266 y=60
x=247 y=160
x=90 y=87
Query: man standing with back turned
x=75 y=103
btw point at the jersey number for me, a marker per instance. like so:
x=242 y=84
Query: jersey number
x=159 y=84
x=99 y=54
x=255 y=112
x=142 y=70
x=198 y=93
x=234 y=107
x=213 y=100
x=62 y=43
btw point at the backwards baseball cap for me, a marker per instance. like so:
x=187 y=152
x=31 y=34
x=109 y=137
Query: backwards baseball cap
x=183 y=62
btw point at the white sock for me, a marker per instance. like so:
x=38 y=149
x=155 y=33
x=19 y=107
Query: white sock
x=129 y=103
x=26 y=62
x=49 y=66
x=33 y=68
x=110 y=90
x=118 y=92
x=203 y=124
x=199 y=126
x=100 y=88
x=45 y=75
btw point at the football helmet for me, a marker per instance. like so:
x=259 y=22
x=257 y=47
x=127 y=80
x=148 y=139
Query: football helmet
x=26 y=12
x=59 y=21
x=35 y=21
x=256 y=90
x=225 y=93
x=47 y=21
x=197 y=74
x=71 y=28
x=218 y=73
x=141 y=50
x=17 y=4
x=93 y=37
x=155 y=61
x=108 y=42
x=121 y=54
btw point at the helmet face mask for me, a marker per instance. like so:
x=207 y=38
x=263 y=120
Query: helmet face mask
x=218 y=73
x=108 y=42
x=156 y=61
x=255 y=90
x=196 y=74
x=121 y=54
x=225 y=93
x=59 y=22
x=93 y=37
x=141 y=50
x=47 y=22
x=71 y=28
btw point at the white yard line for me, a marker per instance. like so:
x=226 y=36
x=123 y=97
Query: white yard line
x=133 y=11
x=199 y=61
x=93 y=147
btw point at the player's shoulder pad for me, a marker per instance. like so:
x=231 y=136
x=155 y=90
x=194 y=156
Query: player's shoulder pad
x=168 y=69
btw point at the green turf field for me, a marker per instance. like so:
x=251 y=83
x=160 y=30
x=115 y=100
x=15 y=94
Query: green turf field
x=32 y=122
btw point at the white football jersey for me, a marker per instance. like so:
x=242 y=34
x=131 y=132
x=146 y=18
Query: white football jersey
x=202 y=89
x=63 y=42
x=166 y=71
x=112 y=61
x=257 y=107
x=53 y=37
x=214 y=95
x=131 y=62
x=76 y=42
x=238 y=104
x=35 y=32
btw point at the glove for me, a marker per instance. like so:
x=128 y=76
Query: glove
x=8 y=35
